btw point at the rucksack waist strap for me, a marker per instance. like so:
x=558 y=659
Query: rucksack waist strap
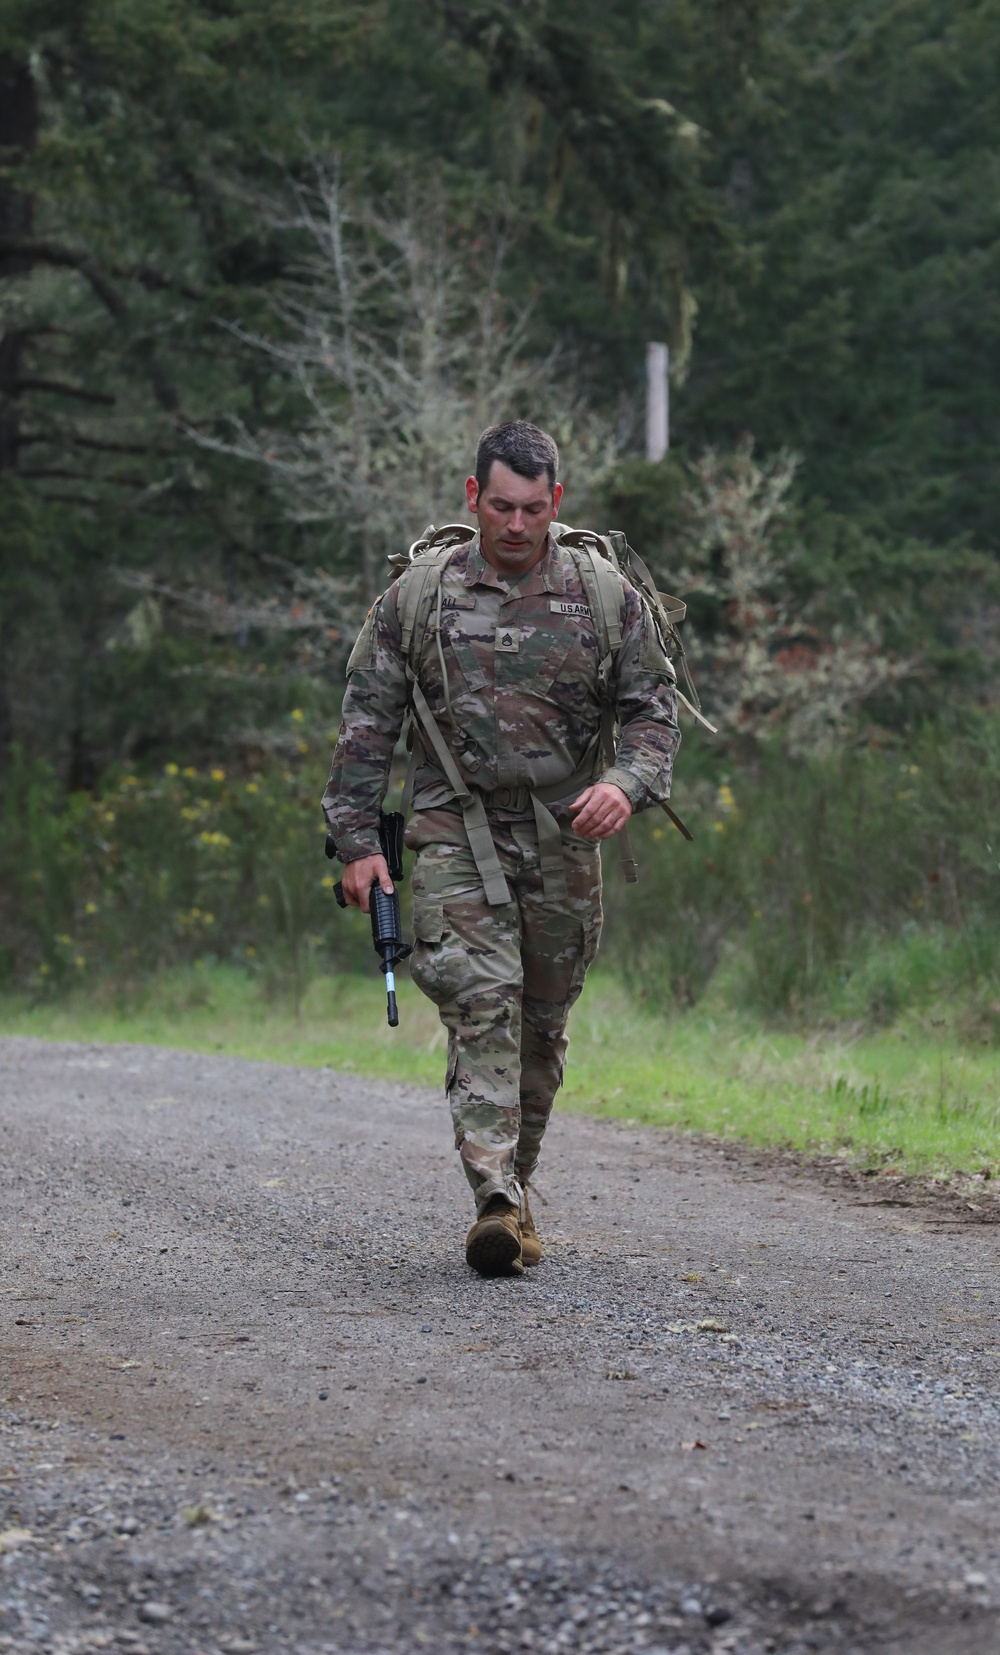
x=507 y=798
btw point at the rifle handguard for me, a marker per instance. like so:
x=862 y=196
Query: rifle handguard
x=383 y=907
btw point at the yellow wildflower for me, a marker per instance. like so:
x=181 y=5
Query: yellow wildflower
x=328 y=883
x=217 y=775
x=252 y=787
x=171 y=769
x=91 y=908
x=189 y=770
x=298 y=716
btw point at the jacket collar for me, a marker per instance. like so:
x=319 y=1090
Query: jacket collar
x=548 y=575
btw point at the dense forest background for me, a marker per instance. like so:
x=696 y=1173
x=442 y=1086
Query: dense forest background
x=266 y=267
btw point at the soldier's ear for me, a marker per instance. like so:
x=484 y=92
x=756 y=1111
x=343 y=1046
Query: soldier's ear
x=557 y=494
x=471 y=493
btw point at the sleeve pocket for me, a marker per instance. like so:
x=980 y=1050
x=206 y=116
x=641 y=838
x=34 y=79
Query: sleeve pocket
x=428 y=916
x=363 y=653
x=653 y=655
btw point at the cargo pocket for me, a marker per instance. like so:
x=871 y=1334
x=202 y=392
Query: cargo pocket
x=428 y=916
x=429 y=958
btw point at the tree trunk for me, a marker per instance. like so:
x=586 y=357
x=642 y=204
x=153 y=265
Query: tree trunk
x=18 y=135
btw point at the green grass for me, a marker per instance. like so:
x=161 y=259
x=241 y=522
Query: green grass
x=915 y=1097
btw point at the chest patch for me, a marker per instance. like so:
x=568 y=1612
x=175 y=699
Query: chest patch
x=566 y=606
x=508 y=640
x=458 y=603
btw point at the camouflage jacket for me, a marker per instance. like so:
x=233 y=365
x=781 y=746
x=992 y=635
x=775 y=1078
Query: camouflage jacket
x=522 y=664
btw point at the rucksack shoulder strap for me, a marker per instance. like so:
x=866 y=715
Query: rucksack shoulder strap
x=420 y=571
x=418 y=587
x=607 y=598
x=595 y=558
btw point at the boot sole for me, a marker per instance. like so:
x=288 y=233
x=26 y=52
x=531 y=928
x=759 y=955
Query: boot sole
x=495 y=1253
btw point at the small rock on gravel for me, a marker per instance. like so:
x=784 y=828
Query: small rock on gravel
x=156 y=1614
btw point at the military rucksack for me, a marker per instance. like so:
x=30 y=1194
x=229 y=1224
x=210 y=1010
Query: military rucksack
x=604 y=561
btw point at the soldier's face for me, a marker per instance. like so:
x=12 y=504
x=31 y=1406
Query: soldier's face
x=514 y=514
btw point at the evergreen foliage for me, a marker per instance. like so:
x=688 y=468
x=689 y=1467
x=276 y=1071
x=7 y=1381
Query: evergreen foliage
x=802 y=201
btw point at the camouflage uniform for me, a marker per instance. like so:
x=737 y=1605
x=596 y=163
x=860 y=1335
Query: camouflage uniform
x=520 y=710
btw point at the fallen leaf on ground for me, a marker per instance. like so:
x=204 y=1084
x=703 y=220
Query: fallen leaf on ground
x=688 y=1446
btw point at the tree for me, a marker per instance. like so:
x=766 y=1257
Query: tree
x=393 y=327
x=771 y=668
x=864 y=331
x=139 y=135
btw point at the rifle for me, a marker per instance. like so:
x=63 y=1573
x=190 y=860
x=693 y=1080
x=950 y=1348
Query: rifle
x=387 y=922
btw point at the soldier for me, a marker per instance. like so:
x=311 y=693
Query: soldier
x=497 y=651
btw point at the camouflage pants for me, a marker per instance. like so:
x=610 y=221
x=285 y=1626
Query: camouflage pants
x=504 y=980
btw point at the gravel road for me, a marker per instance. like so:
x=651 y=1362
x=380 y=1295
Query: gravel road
x=252 y=1399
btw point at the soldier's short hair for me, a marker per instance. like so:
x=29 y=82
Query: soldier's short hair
x=523 y=447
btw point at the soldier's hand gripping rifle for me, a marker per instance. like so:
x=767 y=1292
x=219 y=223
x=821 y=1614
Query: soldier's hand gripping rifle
x=387 y=923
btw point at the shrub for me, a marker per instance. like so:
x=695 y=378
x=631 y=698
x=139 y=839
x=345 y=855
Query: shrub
x=858 y=881
x=854 y=885
x=155 y=871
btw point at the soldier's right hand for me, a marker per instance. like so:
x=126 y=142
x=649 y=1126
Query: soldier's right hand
x=359 y=878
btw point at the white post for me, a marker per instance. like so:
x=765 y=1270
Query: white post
x=657 y=401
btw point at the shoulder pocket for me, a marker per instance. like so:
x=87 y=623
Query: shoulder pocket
x=363 y=653
x=653 y=655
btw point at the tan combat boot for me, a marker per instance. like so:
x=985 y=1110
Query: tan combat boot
x=531 y=1241
x=493 y=1245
